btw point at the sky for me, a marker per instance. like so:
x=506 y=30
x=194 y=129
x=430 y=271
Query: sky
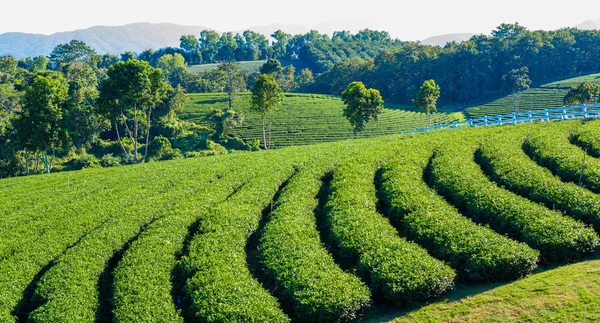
x=407 y=20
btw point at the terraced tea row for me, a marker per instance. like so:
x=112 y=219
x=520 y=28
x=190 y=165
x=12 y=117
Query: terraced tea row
x=317 y=233
x=306 y=119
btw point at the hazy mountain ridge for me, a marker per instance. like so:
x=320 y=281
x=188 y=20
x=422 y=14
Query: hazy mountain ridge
x=589 y=25
x=441 y=40
x=104 y=39
x=138 y=37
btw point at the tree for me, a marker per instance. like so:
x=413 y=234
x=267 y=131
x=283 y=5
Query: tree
x=280 y=44
x=127 y=56
x=584 y=93
x=518 y=81
x=40 y=125
x=305 y=80
x=266 y=96
x=362 y=105
x=174 y=68
x=82 y=120
x=224 y=121
x=232 y=78
x=271 y=67
x=427 y=98
x=128 y=96
x=75 y=51
x=189 y=43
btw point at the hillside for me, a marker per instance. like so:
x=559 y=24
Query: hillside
x=546 y=96
x=328 y=232
x=441 y=40
x=306 y=119
x=135 y=37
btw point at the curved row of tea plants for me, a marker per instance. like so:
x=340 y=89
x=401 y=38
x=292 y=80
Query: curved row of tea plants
x=68 y=291
x=550 y=147
x=504 y=160
x=220 y=286
x=295 y=258
x=143 y=279
x=456 y=176
x=396 y=270
x=477 y=252
x=588 y=137
x=62 y=226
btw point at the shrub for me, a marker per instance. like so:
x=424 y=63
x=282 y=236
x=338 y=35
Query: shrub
x=456 y=176
x=395 y=269
x=477 y=252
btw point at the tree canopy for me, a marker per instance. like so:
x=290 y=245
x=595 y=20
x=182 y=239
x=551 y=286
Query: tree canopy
x=584 y=93
x=427 y=98
x=266 y=96
x=362 y=105
x=128 y=95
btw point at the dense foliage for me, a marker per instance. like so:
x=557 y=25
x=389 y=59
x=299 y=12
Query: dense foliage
x=477 y=69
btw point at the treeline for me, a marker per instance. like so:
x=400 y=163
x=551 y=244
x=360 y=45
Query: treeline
x=76 y=109
x=313 y=50
x=473 y=70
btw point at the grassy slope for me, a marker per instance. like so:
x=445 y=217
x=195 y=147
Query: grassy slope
x=564 y=294
x=307 y=119
x=544 y=97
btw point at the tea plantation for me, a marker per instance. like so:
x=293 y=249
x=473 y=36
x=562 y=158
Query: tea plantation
x=306 y=119
x=546 y=96
x=407 y=227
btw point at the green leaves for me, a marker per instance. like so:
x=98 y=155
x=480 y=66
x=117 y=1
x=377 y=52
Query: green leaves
x=362 y=105
x=477 y=252
x=398 y=270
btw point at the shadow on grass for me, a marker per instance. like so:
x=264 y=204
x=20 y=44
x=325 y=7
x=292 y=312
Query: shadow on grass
x=385 y=313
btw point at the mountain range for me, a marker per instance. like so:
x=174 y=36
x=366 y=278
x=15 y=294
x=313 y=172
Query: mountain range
x=138 y=37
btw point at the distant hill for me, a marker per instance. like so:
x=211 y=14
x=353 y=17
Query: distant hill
x=589 y=25
x=441 y=40
x=135 y=37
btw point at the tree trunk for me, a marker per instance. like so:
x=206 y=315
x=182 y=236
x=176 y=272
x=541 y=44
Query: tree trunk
x=263 y=131
x=270 y=126
x=147 y=134
x=121 y=142
x=36 y=166
x=230 y=95
x=515 y=102
x=26 y=155
x=428 y=119
x=135 y=134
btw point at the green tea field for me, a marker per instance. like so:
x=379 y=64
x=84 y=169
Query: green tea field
x=306 y=119
x=546 y=96
x=473 y=225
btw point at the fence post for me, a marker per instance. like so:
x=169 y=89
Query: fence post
x=485 y=121
x=584 y=111
x=471 y=122
x=564 y=113
x=499 y=120
x=455 y=124
x=514 y=118
x=529 y=115
x=547 y=115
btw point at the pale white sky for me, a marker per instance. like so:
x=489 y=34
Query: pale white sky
x=407 y=20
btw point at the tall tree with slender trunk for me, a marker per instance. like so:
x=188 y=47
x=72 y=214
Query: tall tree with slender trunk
x=232 y=79
x=128 y=96
x=40 y=126
x=427 y=98
x=266 y=96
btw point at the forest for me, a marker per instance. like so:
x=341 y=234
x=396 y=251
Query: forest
x=86 y=122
